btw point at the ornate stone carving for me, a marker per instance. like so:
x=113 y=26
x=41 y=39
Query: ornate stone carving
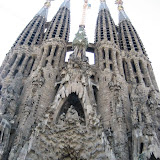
x=152 y=100
x=38 y=80
x=68 y=138
x=5 y=128
x=114 y=84
x=10 y=97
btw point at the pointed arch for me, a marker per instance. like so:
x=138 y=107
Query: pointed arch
x=63 y=105
x=71 y=100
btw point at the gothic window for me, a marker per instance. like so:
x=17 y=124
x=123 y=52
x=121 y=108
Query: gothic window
x=55 y=52
x=46 y=62
x=49 y=50
x=11 y=62
x=29 y=66
x=15 y=72
x=145 y=82
x=60 y=59
x=32 y=64
x=111 y=67
x=145 y=79
x=103 y=53
x=52 y=63
x=110 y=59
x=137 y=79
x=117 y=58
x=133 y=66
x=126 y=70
x=110 y=54
x=21 y=60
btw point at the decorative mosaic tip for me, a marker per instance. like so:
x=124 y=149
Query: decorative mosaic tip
x=120 y=4
x=44 y=11
x=103 y=5
x=122 y=15
x=66 y=4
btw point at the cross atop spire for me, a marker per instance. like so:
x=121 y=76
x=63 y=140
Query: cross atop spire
x=120 y=4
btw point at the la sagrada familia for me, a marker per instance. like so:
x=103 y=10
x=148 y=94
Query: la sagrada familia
x=56 y=110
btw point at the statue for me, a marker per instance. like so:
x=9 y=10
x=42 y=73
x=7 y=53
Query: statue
x=72 y=115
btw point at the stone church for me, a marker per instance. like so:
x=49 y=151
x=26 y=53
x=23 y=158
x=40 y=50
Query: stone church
x=56 y=110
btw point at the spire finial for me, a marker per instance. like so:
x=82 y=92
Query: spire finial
x=47 y=4
x=120 y=4
x=103 y=5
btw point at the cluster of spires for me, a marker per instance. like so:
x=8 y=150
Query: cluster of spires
x=108 y=32
x=122 y=15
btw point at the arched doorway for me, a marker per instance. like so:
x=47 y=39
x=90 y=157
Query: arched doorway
x=73 y=101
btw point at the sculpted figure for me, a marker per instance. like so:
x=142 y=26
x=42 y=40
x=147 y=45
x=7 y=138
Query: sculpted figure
x=72 y=115
x=152 y=101
x=5 y=128
x=38 y=80
x=8 y=101
x=62 y=119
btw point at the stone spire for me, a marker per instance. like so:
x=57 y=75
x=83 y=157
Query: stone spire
x=103 y=5
x=122 y=14
x=129 y=39
x=60 y=24
x=105 y=27
x=33 y=33
x=44 y=11
x=66 y=4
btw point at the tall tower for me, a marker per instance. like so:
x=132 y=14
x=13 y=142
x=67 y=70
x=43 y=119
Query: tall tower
x=52 y=109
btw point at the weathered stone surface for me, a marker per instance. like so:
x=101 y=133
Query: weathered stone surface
x=56 y=110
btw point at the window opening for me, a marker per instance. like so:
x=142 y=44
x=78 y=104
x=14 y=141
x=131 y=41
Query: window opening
x=141 y=67
x=110 y=54
x=103 y=52
x=133 y=66
x=21 y=60
x=126 y=70
x=74 y=101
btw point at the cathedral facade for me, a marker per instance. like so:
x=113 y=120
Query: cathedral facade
x=56 y=110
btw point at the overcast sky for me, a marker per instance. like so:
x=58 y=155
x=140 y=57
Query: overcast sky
x=144 y=15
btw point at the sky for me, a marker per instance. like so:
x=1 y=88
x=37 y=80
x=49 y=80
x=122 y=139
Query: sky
x=144 y=15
